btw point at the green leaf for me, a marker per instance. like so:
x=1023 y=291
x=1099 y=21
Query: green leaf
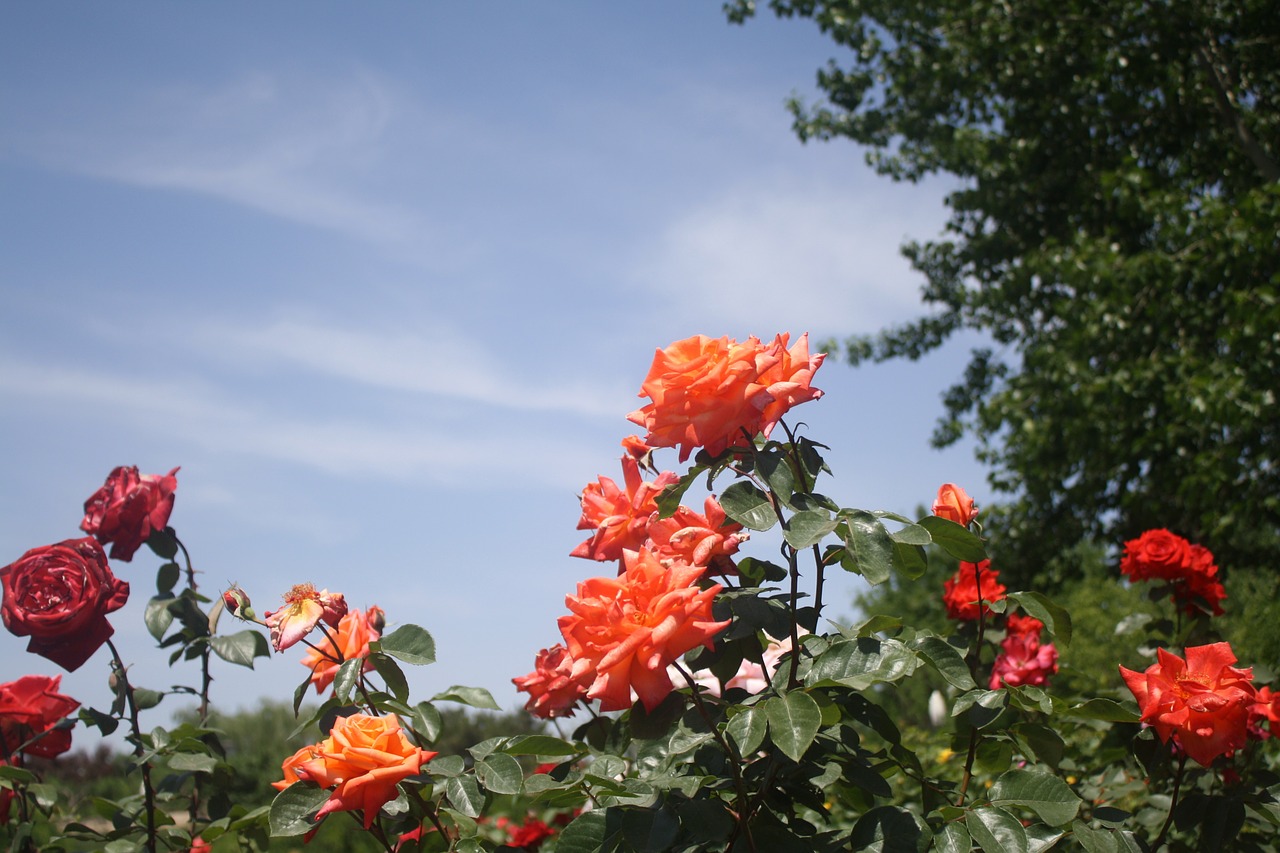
x=747 y=729
x=192 y=762
x=995 y=830
x=887 y=829
x=241 y=647
x=775 y=467
x=157 y=616
x=958 y=541
x=292 y=809
x=500 y=773
x=793 y=722
x=910 y=561
x=650 y=830
x=953 y=838
x=669 y=498
x=1049 y=797
x=385 y=666
x=163 y=543
x=748 y=506
x=476 y=697
x=347 y=676
x=1055 y=618
x=540 y=745
x=586 y=834
x=410 y=644
x=1105 y=709
x=144 y=698
x=808 y=528
x=94 y=718
x=869 y=543
x=167 y=577
x=862 y=662
x=912 y=534
x=465 y=795
x=943 y=657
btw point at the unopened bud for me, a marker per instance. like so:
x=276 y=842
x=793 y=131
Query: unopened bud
x=236 y=600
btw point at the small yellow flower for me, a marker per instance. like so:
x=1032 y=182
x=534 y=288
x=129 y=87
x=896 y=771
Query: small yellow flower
x=945 y=755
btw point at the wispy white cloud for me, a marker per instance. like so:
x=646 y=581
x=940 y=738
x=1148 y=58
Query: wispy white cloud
x=796 y=256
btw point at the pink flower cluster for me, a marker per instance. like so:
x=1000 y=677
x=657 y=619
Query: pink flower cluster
x=1023 y=659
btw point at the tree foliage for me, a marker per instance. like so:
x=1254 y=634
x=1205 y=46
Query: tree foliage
x=1114 y=238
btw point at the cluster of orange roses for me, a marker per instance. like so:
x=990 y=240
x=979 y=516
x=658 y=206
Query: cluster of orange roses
x=623 y=633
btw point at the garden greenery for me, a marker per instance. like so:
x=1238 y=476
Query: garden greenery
x=701 y=699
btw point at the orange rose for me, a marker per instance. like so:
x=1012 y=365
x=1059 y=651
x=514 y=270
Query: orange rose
x=699 y=540
x=348 y=642
x=787 y=380
x=619 y=518
x=303 y=608
x=954 y=504
x=961 y=591
x=553 y=686
x=1204 y=702
x=363 y=760
x=632 y=627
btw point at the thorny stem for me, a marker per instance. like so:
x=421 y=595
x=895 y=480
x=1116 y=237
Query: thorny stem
x=193 y=811
x=735 y=760
x=973 y=660
x=803 y=479
x=148 y=792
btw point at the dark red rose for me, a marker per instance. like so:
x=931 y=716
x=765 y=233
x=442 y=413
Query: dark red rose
x=127 y=508
x=60 y=595
x=30 y=708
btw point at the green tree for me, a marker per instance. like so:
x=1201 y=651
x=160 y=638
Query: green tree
x=1114 y=240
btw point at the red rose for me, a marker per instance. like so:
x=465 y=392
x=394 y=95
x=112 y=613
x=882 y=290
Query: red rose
x=1156 y=554
x=554 y=687
x=60 y=595
x=127 y=508
x=30 y=708
x=961 y=591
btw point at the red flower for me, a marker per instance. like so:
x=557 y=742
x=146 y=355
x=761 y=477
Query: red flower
x=127 y=508
x=961 y=591
x=60 y=596
x=30 y=710
x=707 y=392
x=697 y=540
x=954 y=504
x=619 y=518
x=1022 y=658
x=349 y=641
x=363 y=760
x=630 y=628
x=1265 y=710
x=1202 y=702
x=199 y=845
x=554 y=687
x=303 y=608
x=1155 y=554
x=530 y=834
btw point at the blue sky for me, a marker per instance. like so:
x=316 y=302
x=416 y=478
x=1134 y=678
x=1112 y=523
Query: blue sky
x=384 y=280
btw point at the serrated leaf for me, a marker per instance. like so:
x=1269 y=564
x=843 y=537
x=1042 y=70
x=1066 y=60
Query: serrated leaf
x=500 y=773
x=996 y=831
x=958 y=541
x=540 y=745
x=344 y=681
x=869 y=544
x=192 y=762
x=465 y=795
x=953 y=838
x=747 y=729
x=943 y=657
x=1055 y=618
x=808 y=528
x=909 y=561
x=409 y=643
x=794 y=720
x=886 y=829
x=476 y=697
x=241 y=647
x=1105 y=709
x=385 y=666
x=862 y=662
x=293 y=807
x=586 y=834
x=748 y=506
x=1049 y=797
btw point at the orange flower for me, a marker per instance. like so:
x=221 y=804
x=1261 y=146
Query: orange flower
x=363 y=760
x=632 y=627
x=619 y=518
x=961 y=591
x=699 y=540
x=303 y=608
x=787 y=380
x=553 y=686
x=1204 y=702
x=954 y=504
x=291 y=764
x=348 y=642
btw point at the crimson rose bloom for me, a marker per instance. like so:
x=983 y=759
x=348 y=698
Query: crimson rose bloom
x=30 y=708
x=630 y=628
x=1203 y=702
x=1155 y=554
x=60 y=596
x=961 y=591
x=127 y=508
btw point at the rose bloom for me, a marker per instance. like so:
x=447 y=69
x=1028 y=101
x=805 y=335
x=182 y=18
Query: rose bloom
x=632 y=627
x=1202 y=702
x=961 y=591
x=530 y=834
x=1264 y=710
x=554 y=687
x=954 y=504
x=303 y=608
x=697 y=540
x=1023 y=659
x=619 y=518
x=60 y=595
x=1155 y=554
x=199 y=845
x=788 y=379
x=30 y=709
x=349 y=641
x=363 y=760
x=127 y=508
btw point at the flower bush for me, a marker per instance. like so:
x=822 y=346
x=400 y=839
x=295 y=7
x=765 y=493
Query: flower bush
x=700 y=698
